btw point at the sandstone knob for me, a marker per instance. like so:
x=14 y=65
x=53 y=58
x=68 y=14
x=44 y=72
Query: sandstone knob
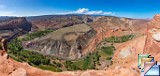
x=19 y=72
x=155 y=23
x=156 y=36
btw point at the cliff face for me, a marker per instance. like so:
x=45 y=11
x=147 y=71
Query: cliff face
x=15 y=23
x=13 y=26
x=114 y=26
x=152 y=45
x=147 y=44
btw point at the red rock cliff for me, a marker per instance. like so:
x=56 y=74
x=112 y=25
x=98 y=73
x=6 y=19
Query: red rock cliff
x=152 y=45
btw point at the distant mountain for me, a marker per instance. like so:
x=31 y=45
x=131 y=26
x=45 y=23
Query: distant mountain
x=5 y=17
x=30 y=18
x=85 y=15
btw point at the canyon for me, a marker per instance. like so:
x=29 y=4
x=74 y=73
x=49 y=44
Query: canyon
x=87 y=36
x=87 y=41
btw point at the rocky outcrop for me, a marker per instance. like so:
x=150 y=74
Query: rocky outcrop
x=67 y=42
x=152 y=45
x=156 y=36
x=19 y=72
x=13 y=26
x=15 y=23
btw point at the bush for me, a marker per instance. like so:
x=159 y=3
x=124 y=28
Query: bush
x=109 y=58
x=70 y=66
x=87 y=62
x=108 y=50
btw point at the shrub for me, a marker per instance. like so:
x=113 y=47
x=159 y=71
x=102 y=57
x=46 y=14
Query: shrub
x=16 y=50
x=108 y=50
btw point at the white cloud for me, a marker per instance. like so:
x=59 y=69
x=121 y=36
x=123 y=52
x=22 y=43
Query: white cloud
x=81 y=10
x=88 y=12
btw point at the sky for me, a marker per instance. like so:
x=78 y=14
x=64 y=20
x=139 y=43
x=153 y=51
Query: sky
x=121 y=8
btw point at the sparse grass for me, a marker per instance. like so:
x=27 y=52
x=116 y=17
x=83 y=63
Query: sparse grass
x=31 y=36
x=49 y=67
x=119 y=39
x=80 y=28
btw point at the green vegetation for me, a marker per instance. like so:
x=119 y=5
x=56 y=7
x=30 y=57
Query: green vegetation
x=17 y=52
x=109 y=58
x=70 y=66
x=90 y=61
x=119 y=39
x=108 y=50
x=25 y=55
x=31 y=36
x=87 y=62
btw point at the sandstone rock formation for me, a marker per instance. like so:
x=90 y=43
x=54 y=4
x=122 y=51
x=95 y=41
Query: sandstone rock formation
x=67 y=42
x=114 y=26
x=152 y=45
x=19 y=72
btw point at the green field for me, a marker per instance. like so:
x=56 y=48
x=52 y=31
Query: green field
x=119 y=39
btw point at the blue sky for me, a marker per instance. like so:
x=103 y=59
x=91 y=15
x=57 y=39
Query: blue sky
x=122 y=8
